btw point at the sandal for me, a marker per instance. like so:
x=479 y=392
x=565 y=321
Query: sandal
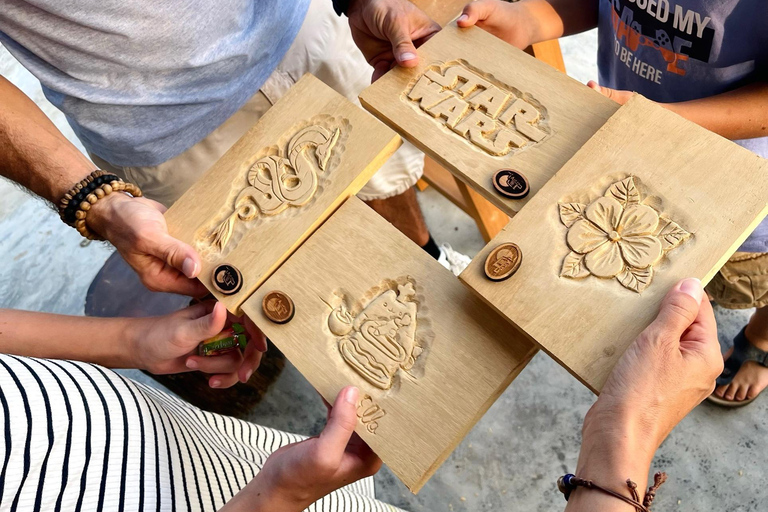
x=743 y=351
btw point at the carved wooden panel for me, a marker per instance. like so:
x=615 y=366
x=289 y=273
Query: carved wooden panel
x=477 y=111
x=649 y=200
x=308 y=153
x=375 y=311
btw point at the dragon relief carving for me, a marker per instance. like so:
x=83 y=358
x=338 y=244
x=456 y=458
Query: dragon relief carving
x=618 y=236
x=381 y=339
x=279 y=181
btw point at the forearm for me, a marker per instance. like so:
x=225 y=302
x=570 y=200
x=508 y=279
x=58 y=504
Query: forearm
x=33 y=152
x=558 y=18
x=737 y=114
x=261 y=496
x=105 y=341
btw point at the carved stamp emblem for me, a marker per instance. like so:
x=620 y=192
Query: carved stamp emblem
x=380 y=339
x=618 y=236
x=492 y=116
x=278 y=181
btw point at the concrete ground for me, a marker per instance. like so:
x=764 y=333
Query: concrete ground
x=511 y=459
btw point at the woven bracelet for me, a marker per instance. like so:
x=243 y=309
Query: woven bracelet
x=74 y=206
x=568 y=483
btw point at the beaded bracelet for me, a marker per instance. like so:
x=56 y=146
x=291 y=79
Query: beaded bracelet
x=74 y=206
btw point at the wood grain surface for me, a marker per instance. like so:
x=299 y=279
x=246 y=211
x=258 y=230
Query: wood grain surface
x=567 y=112
x=440 y=356
x=707 y=192
x=285 y=176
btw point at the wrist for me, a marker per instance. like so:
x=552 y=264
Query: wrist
x=262 y=495
x=98 y=219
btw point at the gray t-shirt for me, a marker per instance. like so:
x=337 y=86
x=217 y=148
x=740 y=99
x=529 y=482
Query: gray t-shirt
x=141 y=81
x=678 y=50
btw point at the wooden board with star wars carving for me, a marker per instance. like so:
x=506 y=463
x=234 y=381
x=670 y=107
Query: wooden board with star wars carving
x=281 y=180
x=373 y=310
x=649 y=200
x=477 y=105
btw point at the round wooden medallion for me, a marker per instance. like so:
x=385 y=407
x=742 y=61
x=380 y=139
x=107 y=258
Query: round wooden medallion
x=227 y=279
x=278 y=307
x=511 y=184
x=503 y=261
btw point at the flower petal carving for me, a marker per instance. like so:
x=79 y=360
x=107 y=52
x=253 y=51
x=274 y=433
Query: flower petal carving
x=640 y=251
x=584 y=236
x=605 y=261
x=671 y=235
x=634 y=279
x=573 y=266
x=639 y=219
x=605 y=213
x=571 y=212
x=624 y=191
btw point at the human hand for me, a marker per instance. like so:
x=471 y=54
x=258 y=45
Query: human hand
x=620 y=97
x=510 y=22
x=137 y=229
x=168 y=344
x=297 y=475
x=388 y=32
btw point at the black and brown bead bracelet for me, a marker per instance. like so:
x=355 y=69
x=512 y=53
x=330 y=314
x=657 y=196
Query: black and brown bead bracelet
x=74 y=206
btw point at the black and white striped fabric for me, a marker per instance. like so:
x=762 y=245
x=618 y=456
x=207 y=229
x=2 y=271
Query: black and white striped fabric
x=80 y=437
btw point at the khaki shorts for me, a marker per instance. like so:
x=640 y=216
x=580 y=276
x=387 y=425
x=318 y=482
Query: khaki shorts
x=742 y=283
x=323 y=47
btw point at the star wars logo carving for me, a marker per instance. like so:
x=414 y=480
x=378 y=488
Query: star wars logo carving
x=381 y=339
x=493 y=117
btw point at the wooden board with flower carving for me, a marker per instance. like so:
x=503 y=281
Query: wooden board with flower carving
x=478 y=111
x=649 y=200
x=281 y=180
x=372 y=309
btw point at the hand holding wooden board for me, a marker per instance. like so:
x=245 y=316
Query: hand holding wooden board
x=649 y=200
x=372 y=309
x=477 y=104
x=281 y=180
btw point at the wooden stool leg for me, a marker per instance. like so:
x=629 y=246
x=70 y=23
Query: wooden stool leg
x=549 y=52
x=489 y=219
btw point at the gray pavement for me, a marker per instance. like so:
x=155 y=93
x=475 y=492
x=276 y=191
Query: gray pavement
x=511 y=459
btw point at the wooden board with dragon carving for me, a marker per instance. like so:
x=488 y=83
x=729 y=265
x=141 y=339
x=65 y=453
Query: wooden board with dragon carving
x=477 y=104
x=374 y=310
x=649 y=200
x=282 y=179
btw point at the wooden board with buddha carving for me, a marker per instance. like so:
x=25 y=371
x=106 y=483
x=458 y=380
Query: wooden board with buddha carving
x=649 y=200
x=477 y=104
x=372 y=309
x=281 y=180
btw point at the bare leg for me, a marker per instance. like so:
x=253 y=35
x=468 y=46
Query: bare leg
x=752 y=377
x=404 y=213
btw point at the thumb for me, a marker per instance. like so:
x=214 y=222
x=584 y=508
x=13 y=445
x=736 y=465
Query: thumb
x=206 y=326
x=474 y=12
x=679 y=308
x=177 y=254
x=402 y=45
x=341 y=423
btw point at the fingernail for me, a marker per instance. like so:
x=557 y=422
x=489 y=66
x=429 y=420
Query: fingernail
x=463 y=17
x=189 y=267
x=693 y=288
x=350 y=395
x=215 y=383
x=192 y=364
x=407 y=56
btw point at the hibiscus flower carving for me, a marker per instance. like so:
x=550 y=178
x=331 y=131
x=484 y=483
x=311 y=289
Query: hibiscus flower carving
x=617 y=236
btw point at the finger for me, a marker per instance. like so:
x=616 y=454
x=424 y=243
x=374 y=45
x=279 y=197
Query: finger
x=475 y=12
x=229 y=362
x=175 y=253
x=679 y=309
x=341 y=425
x=402 y=46
x=255 y=336
x=620 y=97
x=203 y=327
x=224 y=380
x=251 y=360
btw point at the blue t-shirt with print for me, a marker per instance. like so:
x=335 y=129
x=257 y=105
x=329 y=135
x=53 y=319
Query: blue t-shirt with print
x=679 y=50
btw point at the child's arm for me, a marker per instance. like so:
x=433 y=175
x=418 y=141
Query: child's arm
x=166 y=344
x=738 y=114
x=528 y=22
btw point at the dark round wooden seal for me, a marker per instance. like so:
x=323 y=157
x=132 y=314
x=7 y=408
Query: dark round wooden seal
x=278 y=307
x=227 y=279
x=511 y=184
x=503 y=261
